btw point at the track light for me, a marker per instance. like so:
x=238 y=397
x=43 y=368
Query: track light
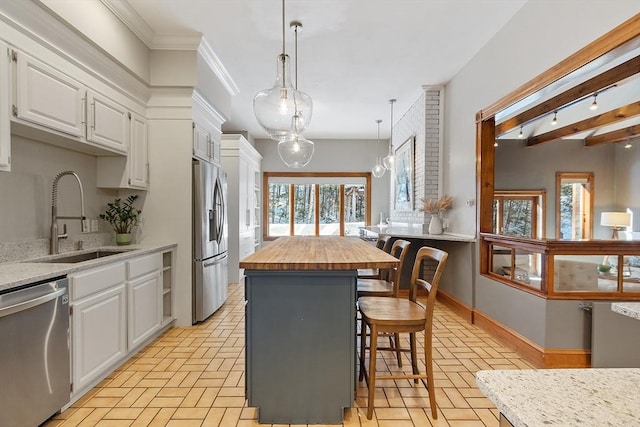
x=594 y=104
x=555 y=118
x=520 y=135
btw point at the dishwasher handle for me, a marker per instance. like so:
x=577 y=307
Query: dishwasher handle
x=24 y=305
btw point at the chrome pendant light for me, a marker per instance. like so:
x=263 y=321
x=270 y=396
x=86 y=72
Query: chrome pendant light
x=282 y=109
x=294 y=149
x=390 y=160
x=378 y=170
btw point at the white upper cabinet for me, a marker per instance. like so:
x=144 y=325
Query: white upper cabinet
x=5 y=101
x=131 y=171
x=201 y=142
x=108 y=122
x=47 y=97
x=138 y=153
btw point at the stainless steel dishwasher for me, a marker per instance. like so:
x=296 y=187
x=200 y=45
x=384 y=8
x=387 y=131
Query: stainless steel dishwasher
x=34 y=353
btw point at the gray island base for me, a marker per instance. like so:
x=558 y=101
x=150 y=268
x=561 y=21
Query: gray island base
x=300 y=326
x=300 y=345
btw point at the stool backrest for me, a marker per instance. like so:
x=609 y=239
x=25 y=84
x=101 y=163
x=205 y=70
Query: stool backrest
x=440 y=257
x=399 y=249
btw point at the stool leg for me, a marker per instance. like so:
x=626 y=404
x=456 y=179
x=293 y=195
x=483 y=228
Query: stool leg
x=363 y=346
x=414 y=355
x=429 y=364
x=373 y=343
x=396 y=337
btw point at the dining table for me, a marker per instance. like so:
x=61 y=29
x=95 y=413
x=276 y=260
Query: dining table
x=300 y=326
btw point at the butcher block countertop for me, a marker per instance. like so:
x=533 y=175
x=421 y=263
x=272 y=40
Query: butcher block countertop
x=318 y=253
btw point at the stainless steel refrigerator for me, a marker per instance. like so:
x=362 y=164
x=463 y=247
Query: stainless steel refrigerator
x=209 y=239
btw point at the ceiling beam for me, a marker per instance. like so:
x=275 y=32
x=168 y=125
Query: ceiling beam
x=601 y=81
x=613 y=116
x=614 y=136
x=623 y=33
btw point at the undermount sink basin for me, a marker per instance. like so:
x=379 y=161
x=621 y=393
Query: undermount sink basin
x=85 y=256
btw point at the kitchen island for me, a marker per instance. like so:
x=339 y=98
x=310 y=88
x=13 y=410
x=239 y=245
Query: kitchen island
x=564 y=397
x=300 y=326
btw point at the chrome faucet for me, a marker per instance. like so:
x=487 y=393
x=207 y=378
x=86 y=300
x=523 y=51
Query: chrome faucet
x=53 y=244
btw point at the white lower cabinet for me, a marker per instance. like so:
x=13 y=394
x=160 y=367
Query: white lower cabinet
x=115 y=309
x=144 y=295
x=98 y=322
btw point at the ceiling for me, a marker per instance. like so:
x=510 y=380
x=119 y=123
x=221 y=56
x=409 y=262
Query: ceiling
x=354 y=55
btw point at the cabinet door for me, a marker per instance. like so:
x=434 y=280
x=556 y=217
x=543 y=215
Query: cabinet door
x=108 y=123
x=5 y=100
x=145 y=308
x=99 y=334
x=138 y=157
x=48 y=97
x=201 y=142
x=243 y=205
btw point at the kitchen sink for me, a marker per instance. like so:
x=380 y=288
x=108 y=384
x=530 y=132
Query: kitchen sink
x=85 y=256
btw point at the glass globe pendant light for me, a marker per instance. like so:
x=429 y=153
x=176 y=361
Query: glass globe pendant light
x=378 y=170
x=390 y=160
x=296 y=151
x=275 y=108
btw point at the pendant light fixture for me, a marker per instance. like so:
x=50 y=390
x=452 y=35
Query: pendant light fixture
x=390 y=160
x=554 y=121
x=378 y=170
x=294 y=149
x=520 y=135
x=283 y=107
x=594 y=104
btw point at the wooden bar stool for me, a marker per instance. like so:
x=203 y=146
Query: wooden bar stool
x=383 y=243
x=397 y=315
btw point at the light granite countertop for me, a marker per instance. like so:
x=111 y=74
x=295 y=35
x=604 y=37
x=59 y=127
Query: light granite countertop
x=15 y=274
x=630 y=309
x=414 y=231
x=565 y=397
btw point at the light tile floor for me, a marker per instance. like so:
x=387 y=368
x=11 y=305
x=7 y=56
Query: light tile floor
x=194 y=376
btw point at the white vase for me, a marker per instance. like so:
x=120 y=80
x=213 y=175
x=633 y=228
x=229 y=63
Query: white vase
x=435 y=225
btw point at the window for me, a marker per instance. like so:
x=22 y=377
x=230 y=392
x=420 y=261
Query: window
x=519 y=213
x=574 y=205
x=316 y=204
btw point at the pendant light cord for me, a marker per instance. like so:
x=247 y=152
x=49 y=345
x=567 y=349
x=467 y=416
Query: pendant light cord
x=284 y=52
x=295 y=30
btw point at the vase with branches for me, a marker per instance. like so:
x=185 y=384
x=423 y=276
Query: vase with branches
x=123 y=216
x=436 y=207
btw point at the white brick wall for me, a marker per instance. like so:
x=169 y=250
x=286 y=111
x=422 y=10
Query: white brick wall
x=422 y=120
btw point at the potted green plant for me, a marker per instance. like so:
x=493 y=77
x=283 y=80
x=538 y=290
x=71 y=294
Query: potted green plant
x=122 y=216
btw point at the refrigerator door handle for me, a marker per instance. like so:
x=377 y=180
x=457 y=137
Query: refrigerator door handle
x=214 y=262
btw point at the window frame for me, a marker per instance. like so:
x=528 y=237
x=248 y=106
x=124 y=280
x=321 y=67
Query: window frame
x=340 y=175
x=589 y=177
x=538 y=200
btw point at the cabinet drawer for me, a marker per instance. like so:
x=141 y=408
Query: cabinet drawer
x=95 y=280
x=143 y=265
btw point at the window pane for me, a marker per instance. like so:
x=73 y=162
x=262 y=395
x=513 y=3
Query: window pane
x=278 y=209
x=516 y=218
x=304 y=207
x=571 y=210
x=329 y=210
x=355 y=208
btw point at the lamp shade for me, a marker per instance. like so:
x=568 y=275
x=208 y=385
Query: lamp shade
x=615 y=219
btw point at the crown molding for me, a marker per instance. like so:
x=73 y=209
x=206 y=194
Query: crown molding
x=187 y=41
x=213 y=115
x=217 y=67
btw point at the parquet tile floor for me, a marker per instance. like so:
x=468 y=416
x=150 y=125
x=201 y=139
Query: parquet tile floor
x=194 y=377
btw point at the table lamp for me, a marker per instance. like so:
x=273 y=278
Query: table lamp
x=615 y=220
